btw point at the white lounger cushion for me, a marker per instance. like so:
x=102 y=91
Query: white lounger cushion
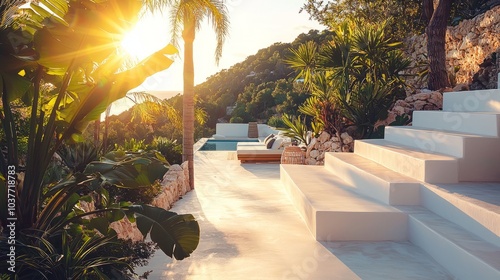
x=257 y=150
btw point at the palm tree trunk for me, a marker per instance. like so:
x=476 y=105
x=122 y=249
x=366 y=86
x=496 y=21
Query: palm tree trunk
x=97 y=126
x=436 y=46
x=106 y=126
x=188 y=99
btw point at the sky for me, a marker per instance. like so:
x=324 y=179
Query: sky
x=254 y=24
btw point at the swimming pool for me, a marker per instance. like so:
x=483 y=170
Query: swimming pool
x=222 y=145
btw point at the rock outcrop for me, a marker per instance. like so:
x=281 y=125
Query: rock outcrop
x=467 y=46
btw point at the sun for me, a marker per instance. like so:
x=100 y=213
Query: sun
x=135 y=43
x=146 y=37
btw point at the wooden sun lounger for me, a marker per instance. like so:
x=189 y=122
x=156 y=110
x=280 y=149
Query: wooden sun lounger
x=258 y=153
x=248 y=158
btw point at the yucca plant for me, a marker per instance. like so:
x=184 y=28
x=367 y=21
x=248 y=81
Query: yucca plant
x=354 y=78
x=297 y=128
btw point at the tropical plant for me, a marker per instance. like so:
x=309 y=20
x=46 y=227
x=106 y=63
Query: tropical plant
x=186 y=18
x=297 y=129
x=61 y=59
x=72 y=258
x=63 y=212
x=353 y=79
x=132 y=145
x=170 y=149
x=323 y=106
x=76 y=156
x=130 y=176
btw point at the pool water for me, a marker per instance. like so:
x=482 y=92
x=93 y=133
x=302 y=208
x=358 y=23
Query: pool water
x=222 y=145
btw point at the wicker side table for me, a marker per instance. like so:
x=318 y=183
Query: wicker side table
x=292 y=155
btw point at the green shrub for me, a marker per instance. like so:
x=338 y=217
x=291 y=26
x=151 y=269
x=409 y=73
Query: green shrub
x=276 y=121
x=170 y=149
x=144 y=194
x=132 y=145
x=236 y=120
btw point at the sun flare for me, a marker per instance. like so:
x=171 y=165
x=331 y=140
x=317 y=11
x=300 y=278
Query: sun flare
x=144 y=39
x=135 y=44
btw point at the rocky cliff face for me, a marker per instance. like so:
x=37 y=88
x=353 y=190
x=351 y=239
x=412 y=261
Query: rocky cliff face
x=468 y=45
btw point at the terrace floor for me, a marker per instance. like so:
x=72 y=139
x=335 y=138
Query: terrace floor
x=251 y=230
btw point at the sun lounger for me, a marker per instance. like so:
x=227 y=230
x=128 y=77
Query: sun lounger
x=258 y=153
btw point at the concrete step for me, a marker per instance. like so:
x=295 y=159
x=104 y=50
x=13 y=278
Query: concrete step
x=463 y=254
x=430 y=140
x=426 y=167
x=333 y=212
x=472 y=101
x=472 y=205
x=479 y=156
x=373 y=180
x=487 y=124
x=387 y=260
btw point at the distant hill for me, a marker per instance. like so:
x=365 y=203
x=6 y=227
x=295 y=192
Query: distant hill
x=261 y=70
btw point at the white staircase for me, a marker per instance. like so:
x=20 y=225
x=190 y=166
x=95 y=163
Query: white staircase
x=435 y=184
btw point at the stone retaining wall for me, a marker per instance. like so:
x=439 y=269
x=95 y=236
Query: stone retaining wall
x=420 y=100
x=315 y=154
x=175 y=184
x=467 y=46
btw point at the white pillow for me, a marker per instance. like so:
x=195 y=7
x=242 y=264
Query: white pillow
x=277 y=143
x=266 y=140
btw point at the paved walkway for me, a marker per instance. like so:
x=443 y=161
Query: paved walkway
x=249 y=228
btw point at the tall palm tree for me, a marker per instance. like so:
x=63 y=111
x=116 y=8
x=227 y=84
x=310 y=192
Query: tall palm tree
x=186 y=17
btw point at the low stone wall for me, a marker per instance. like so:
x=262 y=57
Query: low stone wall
x=315 y=154
x=420 y=100
x=175 y=184
x=467 y=46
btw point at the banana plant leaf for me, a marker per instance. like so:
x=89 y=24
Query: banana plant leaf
x=130 y=170
x=176 y=235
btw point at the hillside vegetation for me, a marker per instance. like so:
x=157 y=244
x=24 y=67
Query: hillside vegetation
x=260 y=86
